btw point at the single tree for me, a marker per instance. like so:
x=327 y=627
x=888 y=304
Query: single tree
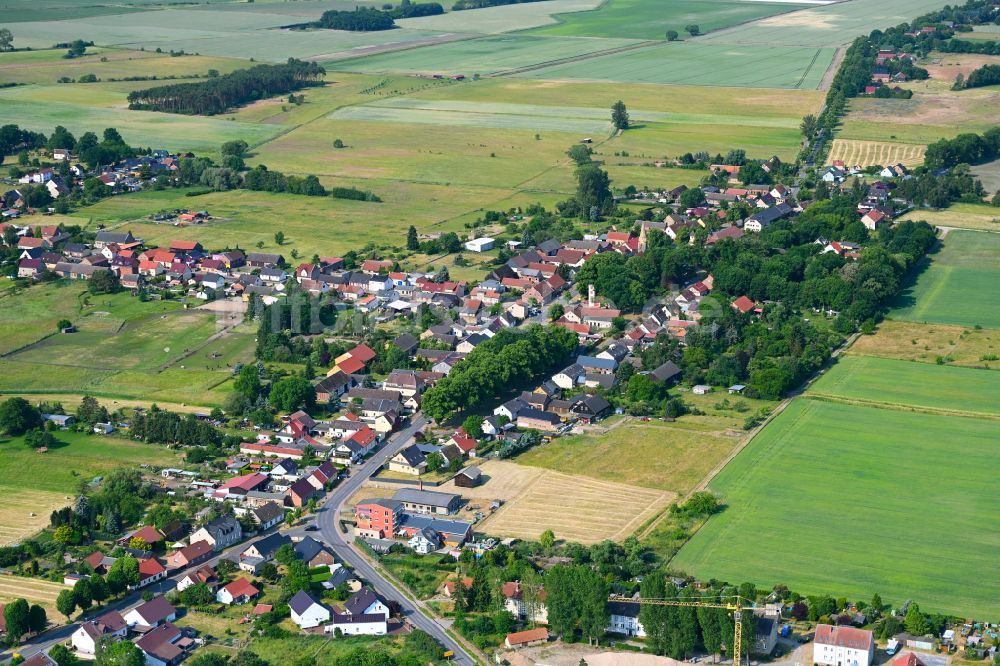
x=6 y=39
x=692 y=29
x=37 y=619
x=619 y=115
x=672 y=35
x=412 y=242
x=113 y=652
x=17 y=416
x=547 y=539
x=809 y=126
x=16 y=615
x=66 y=603
x=279 y=237
x=556 y=311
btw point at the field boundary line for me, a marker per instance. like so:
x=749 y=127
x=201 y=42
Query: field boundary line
x=899 y=407
x=578 y=58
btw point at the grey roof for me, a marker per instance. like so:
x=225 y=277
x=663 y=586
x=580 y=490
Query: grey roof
x=595 y=362
x=268 y=546
x=573 y=370
x=472 y=472
x=595 y=403
x=412 y=455
x=667 y=371
x=765 y=625
x=360 y=601
x=113 y=237
x=624 y=608
x=440 y=525
x=268 y=512
x=338 y=577
x=769 y=215
x=308 y=548
x=429 y=497
x=406 y=342
x=301 y=602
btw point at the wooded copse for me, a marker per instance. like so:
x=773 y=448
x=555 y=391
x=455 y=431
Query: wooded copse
x=369 y=19
x=966 y=148
x=218 y=95
x=508 y=359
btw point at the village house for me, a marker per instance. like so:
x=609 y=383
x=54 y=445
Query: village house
x=205 y=574
x=410 y=460
x=529 y=638
x=111 y=624
x=427 y=501
x=151 y=614
x=220 y=533
x=240 y=591
x=843 y=646
x=525 y=605
x=196 y=553
x=363 y=614
x=306 y=611
x=164 y=646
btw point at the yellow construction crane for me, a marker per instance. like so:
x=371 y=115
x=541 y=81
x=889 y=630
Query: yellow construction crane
x=735 y=604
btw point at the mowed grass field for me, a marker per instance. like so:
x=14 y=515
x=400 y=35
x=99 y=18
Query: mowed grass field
x=34 y=591
x=701 y=63
x=505 y=18
x=47 y=67
x=651 y=19
x=960 y=216
x=869 y=153
x=575 y=508
x=909 y=341
x=123 y=348
x=56 y=475
x=27 y=316
x=903 y=384
x=847 y=500
x=957 y=285
x=684 y=451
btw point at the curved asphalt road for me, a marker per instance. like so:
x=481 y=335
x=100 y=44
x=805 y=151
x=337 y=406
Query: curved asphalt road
x=341 y=543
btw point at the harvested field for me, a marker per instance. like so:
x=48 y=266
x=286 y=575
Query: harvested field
x=868 y=153
x=948 y=66
x=501 y=480
x=910 y=341
x=26 y=512
x=576 y=509
x=41 y=592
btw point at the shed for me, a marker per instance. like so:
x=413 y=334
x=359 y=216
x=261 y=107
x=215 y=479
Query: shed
x=480 y=244
x=470 y=477
x=701 y=389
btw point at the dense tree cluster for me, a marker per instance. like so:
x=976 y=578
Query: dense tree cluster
x=219 y=94
x=966 y=148
x=505 y=361
x=162 y=427
x=13 y=140
x=369 y=19
x=479 y=4
x=987 y=75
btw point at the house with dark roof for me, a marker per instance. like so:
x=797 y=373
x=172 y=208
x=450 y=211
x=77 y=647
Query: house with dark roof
x=111 y=624
x=533 y=419
x=623 y=618
x=306 y=611
x=427 y=501
x=152 y=613
x=590 y=407
x=667 y=373
x=221 y=532
x=409 y=460
x=267 y=515
x=262 y=550
x=164 y=646
x=313 y=553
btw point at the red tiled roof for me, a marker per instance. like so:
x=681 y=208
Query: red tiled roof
x=241 y=587
x=843 y=636
x=743 y=304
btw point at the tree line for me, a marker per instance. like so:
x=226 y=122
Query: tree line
x=507 y=360
x=480 y=4
x=218 y=95
x=987 y=75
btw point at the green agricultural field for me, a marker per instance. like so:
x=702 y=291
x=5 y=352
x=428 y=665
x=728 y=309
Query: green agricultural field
x=311 y=225
x=27 y=316
x=836 y=24
x=95 y=106
x=903 y=384
x=487 y=55
x=506 y=18
x=651 y=19
x=123 y=348
x=701 y=63
x=957 y=285
x=78 y=456
x=849 y=501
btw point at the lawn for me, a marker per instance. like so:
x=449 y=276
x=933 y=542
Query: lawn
x=652 y=455
x=849 y=501
x=960 y=216
x=701 y=63
x=909 y=341
x=957 y=285
x=651 y=19
x=903 y=385
x=487 y=55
